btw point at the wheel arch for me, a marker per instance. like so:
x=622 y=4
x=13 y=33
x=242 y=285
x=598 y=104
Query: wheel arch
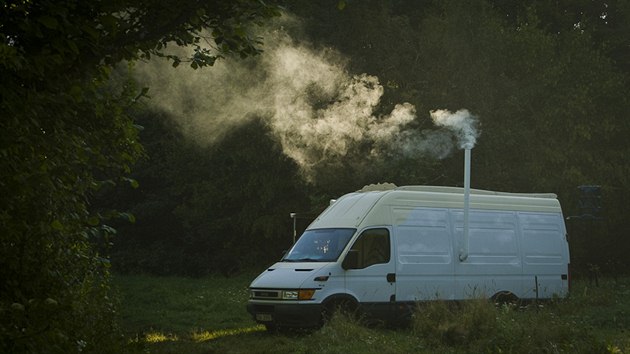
x=504 y=296
x=339 y=298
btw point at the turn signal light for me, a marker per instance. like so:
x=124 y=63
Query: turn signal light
x=306 y=294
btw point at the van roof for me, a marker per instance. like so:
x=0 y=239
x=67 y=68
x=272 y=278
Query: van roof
x=351 y=209
x=460 y=190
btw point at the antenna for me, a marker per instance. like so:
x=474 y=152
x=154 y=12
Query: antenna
x=293 y=216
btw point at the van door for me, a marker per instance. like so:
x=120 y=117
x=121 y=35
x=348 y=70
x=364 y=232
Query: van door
x=545 y=255
x=372 y=278
x=424 y=244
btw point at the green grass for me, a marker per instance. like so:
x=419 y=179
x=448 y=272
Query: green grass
x=180 y=315
x=178 y=305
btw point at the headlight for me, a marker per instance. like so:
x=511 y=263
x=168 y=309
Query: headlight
x=290 y=295
x=302 y=294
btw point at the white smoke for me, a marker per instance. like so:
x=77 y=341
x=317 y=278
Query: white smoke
x=462 y=123
x=461 y=130
x=432 y=143
x=316 y=110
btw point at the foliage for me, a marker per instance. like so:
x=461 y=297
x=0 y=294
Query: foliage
x=66 y=132
x=52 y=152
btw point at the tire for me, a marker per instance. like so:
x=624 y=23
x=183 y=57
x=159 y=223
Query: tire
x=504 y=297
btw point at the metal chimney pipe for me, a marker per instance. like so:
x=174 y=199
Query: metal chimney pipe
x=463 y=252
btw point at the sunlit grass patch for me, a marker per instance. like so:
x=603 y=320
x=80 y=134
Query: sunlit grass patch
x=210 y=335
x=158 y=337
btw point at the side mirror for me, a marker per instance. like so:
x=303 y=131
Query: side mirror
x=351 y=261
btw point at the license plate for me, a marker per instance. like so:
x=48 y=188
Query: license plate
x=264 y=317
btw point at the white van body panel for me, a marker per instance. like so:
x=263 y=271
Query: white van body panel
x=517 y=244
x=425 y=258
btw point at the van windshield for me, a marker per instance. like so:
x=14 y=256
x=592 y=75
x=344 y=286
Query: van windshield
x=321 y=245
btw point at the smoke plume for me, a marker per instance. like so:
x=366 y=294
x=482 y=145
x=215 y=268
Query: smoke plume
x=462 y=123
x=313 y=106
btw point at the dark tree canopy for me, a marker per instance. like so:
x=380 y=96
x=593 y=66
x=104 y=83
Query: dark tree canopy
x=66 y=133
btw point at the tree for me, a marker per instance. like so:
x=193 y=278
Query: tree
x=204 y=210
x=66 y=131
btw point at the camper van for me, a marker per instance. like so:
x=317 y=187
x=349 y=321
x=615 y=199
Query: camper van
x=381 y=252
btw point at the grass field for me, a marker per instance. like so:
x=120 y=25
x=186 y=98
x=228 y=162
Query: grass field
x=180 y=315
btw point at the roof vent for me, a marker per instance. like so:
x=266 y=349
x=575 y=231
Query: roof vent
x=377 y=187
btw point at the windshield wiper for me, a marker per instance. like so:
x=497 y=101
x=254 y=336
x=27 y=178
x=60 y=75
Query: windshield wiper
x=302 y=260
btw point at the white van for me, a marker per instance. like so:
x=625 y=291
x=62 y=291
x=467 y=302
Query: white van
x=383 y=251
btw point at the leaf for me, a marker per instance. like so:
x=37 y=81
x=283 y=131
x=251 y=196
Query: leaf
x=93 y=220
x=48 y=21
x=142 y=93
x=77 y=93
x=341 y=5
x=109 y=21
x=132 y=182
x=56 y=225
x=73 y=46
x=91 y=31
x=129 y=217
x=108 y=229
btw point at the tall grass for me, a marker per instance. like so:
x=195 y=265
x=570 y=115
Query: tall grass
x=481 y=326
x=454 y=323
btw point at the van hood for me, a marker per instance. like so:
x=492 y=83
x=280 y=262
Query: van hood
x=287 y=275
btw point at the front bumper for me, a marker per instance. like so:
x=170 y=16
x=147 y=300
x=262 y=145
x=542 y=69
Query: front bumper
x=286 y=315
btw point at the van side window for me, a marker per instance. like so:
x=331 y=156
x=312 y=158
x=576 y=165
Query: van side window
x=373 y=247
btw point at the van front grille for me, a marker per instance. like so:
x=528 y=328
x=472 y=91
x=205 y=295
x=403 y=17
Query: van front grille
x=266 y=294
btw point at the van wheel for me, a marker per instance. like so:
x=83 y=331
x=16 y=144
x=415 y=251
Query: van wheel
x=504 y=297
x=340 y=305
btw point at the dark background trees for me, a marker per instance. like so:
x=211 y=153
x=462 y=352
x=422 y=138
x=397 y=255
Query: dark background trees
x=549 y=84
x=201 y=210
